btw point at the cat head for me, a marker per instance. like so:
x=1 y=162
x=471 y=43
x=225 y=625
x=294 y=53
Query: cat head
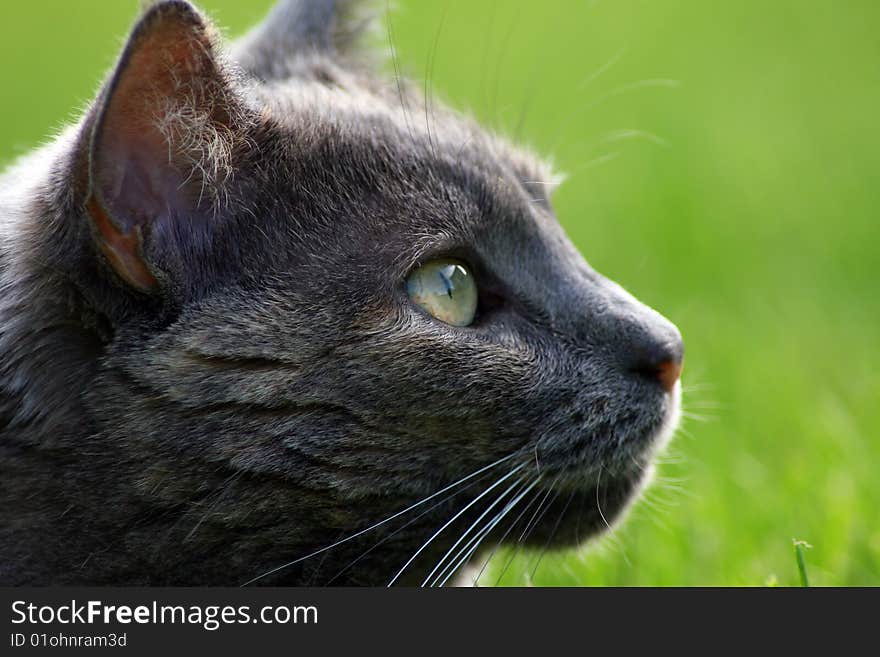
x=350 y=299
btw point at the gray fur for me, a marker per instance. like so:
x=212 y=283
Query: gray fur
x=278 y=391
x=294 y=30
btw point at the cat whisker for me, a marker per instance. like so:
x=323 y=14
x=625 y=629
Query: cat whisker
x=614 y=93
x=218 y=494
x=539 y=513
x=659 y=497
x=672 y=483
x=696 y=387
x=465 y=534
x=408 y=523
x=618 y=136
x=536 y=517
x=504 y=536
x=552 y=534
x=531 y=87
x=484 y=61
x=599 y=72
x=670 y=459
x=657 y=505
x=595 y=162
x=478 y=539
x=696 y=416
x=598 y=504
x=682 y=430
x=382 y=522
x=320 y=564
x=453 y=519
x=709 y=405
x=610 y=535
x=404 y=105
x=525 y=488
x=429 y=73
x=505 y=42
x=625 y=134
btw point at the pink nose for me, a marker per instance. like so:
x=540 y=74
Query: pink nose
x=659 y=358
x=668 y=372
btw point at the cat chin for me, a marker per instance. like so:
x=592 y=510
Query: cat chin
x=574 y=517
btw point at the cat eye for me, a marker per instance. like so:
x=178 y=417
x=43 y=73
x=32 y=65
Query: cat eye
x=446 y=290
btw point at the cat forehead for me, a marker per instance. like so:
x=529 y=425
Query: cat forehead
x=374 y=109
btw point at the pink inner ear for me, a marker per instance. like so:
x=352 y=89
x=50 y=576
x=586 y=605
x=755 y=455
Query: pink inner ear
x=122 y=250
x=138 y=153
x=139 y=183
x=140 y=158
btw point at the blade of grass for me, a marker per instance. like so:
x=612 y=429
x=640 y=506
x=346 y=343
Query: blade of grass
x=799 y=547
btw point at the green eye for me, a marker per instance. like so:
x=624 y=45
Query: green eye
x=445 y=289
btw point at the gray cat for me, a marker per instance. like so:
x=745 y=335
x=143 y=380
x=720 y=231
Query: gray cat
x=260 y=320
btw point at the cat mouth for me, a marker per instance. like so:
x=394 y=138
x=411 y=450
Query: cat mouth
x=578 y=501
x=573 y=457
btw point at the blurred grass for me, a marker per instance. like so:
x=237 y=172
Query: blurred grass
x=723 y=162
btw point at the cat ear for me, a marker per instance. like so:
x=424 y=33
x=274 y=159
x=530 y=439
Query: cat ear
x=333 y=28
x=162 y=137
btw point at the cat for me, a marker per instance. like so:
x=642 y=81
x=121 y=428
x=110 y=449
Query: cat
x=261 y=323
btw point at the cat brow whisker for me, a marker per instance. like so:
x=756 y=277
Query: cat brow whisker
x=595 y=162
x=474 y=544
x=429 y=73
x=453 y=519
x=602 y=70
x=603 y=98
x=529 y=96
x=624 y=134
x=505 y=42
x=404 y=105
x=538 y=67
x=484 y=60
x=382 y=522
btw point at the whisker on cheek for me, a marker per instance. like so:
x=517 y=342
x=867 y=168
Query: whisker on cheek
x=383 y=522
x=453 y=519
x=409 y=523
x=552 y=534
x=511 y=527
x=477 y=540
x=465 y=534
x=536 y=517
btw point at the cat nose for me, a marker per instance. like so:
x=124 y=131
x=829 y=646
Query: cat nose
x=658 y=355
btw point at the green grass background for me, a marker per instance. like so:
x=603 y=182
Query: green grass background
x=723 y=162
